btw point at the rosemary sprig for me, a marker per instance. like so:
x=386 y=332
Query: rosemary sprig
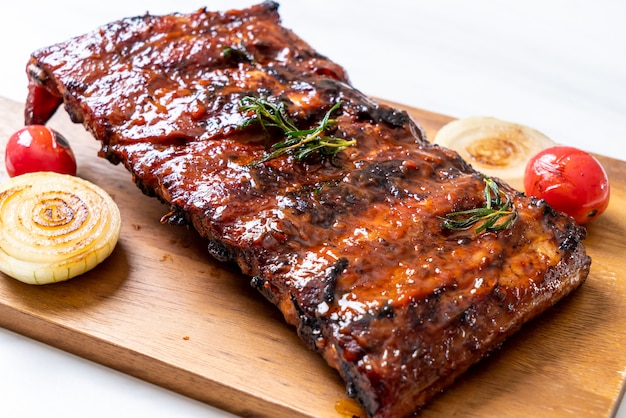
x=495 y=215
x=301 y=143
x=237 y=53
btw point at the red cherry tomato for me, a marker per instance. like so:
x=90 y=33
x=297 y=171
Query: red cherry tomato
x=570 y=180
x=38 y=148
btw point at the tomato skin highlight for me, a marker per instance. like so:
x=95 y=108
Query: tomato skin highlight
x=38 y=148
x=570 y=180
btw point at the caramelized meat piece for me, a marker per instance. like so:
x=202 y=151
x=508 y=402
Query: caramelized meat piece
x=351 y=250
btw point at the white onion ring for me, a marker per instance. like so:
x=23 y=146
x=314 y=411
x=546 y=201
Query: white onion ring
x=494 y=147
x=54 y=227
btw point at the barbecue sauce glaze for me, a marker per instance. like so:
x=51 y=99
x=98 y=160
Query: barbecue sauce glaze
x=352 y=250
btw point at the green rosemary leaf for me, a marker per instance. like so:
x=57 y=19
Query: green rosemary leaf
x=495 y=215
x=237 y=53
x=301 y=143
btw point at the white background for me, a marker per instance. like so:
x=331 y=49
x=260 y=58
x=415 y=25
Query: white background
x=558 y=66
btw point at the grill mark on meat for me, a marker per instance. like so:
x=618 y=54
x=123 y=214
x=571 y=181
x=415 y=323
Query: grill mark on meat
x=330 y=281
x=351 y=252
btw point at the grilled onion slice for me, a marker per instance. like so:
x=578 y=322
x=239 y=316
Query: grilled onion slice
x=494 y=147
x=54 y=227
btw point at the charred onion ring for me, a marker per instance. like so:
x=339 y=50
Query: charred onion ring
x=54 y=227
x=494 y=147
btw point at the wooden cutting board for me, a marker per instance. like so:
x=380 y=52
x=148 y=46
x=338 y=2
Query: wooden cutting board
x=161 y=309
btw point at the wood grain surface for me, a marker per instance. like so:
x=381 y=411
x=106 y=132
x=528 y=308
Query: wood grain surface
x=161 y=309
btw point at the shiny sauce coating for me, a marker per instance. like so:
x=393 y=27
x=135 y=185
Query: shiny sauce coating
x=351 y=250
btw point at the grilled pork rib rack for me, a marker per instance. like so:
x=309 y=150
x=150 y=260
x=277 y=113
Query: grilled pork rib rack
x=351 y=249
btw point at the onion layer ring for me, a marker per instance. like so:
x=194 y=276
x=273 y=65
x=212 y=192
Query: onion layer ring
x=494 y=147
x=54 y=227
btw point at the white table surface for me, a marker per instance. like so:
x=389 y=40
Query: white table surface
x=558 y=66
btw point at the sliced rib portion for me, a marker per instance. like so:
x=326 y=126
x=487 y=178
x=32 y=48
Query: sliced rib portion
x=351 y=250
